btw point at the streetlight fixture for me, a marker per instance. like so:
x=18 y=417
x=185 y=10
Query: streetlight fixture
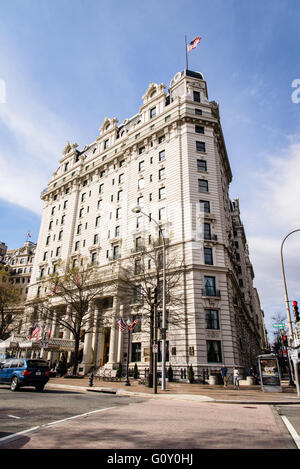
x=137 y=209
x=287 y=303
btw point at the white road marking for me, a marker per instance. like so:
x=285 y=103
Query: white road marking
x=13 y=416
x=292 y=431
x=15 y=435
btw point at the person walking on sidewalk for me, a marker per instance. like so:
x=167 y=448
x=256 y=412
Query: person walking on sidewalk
x=236 y=378
x=224 y=375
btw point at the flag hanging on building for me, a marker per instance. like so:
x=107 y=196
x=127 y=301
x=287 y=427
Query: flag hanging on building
x=122 y=324
x=55 y=290
x=133 y=324
x=192 y=45
x=35 y=335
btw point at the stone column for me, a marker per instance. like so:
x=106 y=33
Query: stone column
x=120 y=339
x=95 y=334
x=114 y=336
x=87 y=348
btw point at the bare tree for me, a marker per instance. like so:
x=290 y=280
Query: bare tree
x=74 y=289
x=141 y=275
x=9 y=311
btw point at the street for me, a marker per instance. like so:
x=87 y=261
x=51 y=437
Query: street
x=27 y=409
x=73 y=419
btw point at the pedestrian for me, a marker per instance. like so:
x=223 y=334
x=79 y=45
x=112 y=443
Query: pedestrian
x=251 y=372
x=224 y=375
x=236 y=377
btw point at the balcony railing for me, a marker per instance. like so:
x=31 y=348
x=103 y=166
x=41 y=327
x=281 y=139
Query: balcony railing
x=211 y=292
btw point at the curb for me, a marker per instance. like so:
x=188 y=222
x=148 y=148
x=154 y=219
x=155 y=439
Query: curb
x=190 y=397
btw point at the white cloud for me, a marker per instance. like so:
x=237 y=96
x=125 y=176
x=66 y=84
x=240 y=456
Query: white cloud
x=36 y=139
x=273 y=212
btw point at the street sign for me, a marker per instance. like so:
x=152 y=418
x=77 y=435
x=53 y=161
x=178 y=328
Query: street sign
x=280 y=325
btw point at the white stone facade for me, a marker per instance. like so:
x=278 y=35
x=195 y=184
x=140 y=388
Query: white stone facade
x=171 y=159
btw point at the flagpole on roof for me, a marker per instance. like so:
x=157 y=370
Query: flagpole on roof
x=186 y=55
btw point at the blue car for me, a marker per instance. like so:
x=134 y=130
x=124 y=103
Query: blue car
x=19 y=372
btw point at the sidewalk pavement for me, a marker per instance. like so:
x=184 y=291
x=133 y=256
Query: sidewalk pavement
x=186 y=391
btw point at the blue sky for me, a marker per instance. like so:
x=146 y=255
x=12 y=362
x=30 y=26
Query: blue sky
x=66 y=64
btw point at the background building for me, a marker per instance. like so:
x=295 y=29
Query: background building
x=171 y=160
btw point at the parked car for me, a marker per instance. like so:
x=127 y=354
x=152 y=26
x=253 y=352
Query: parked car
x=19 y=372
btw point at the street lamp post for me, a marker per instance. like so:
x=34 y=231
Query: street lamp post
x=287 y=303
x=138 y=209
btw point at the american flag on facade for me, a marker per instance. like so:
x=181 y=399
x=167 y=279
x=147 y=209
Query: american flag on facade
x=35 y=333
x=133 y=324
x=192 y=45
x=122 y=324
x=55 y=290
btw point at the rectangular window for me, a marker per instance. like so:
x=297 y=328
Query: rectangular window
x=81 y=212
x=136 y=351
x=202 y=185
x=200 y=146
x=204 y=206
x=141 y=183
x=199 y=129
x=101 y=187
x=162 y=193
x=139 y=221
x=214 y=352
x=152 y=112
x=96 y=238
x=209 y=286
x=77 y=245
x=60 y=235
x=196 y=96
x=79 y=229
x=116 y=252
x=140 y=201
x=65 y=204
x=161 y=139
x=207 y=230
x=162 y=155
x=208 y=257
x=121 y=178
x=198 y=112
x=161 y=173
x=83 y=196
x=162 y=213
x=118 y=213
x=201 y=165
x=97 y=223
x=141 y=165
x=212 y=319
x=94 y=258
x=106 y=143
x=120 y=195
x=142 y=150
x=117 y=231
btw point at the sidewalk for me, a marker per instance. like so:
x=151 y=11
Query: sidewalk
x=186 y=391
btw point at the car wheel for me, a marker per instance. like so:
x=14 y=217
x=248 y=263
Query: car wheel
x=39 y=388
x=14 y=384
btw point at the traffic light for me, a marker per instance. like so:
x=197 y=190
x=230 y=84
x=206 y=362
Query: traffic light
x=296 y=311
x=154 y=296
x=284 y=340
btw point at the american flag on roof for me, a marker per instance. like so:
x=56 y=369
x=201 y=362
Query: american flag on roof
x=133 y=324
x=193 y=44
x=122 y=324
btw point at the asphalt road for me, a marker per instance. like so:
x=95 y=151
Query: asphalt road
x=27 y=408
x=290 y=415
